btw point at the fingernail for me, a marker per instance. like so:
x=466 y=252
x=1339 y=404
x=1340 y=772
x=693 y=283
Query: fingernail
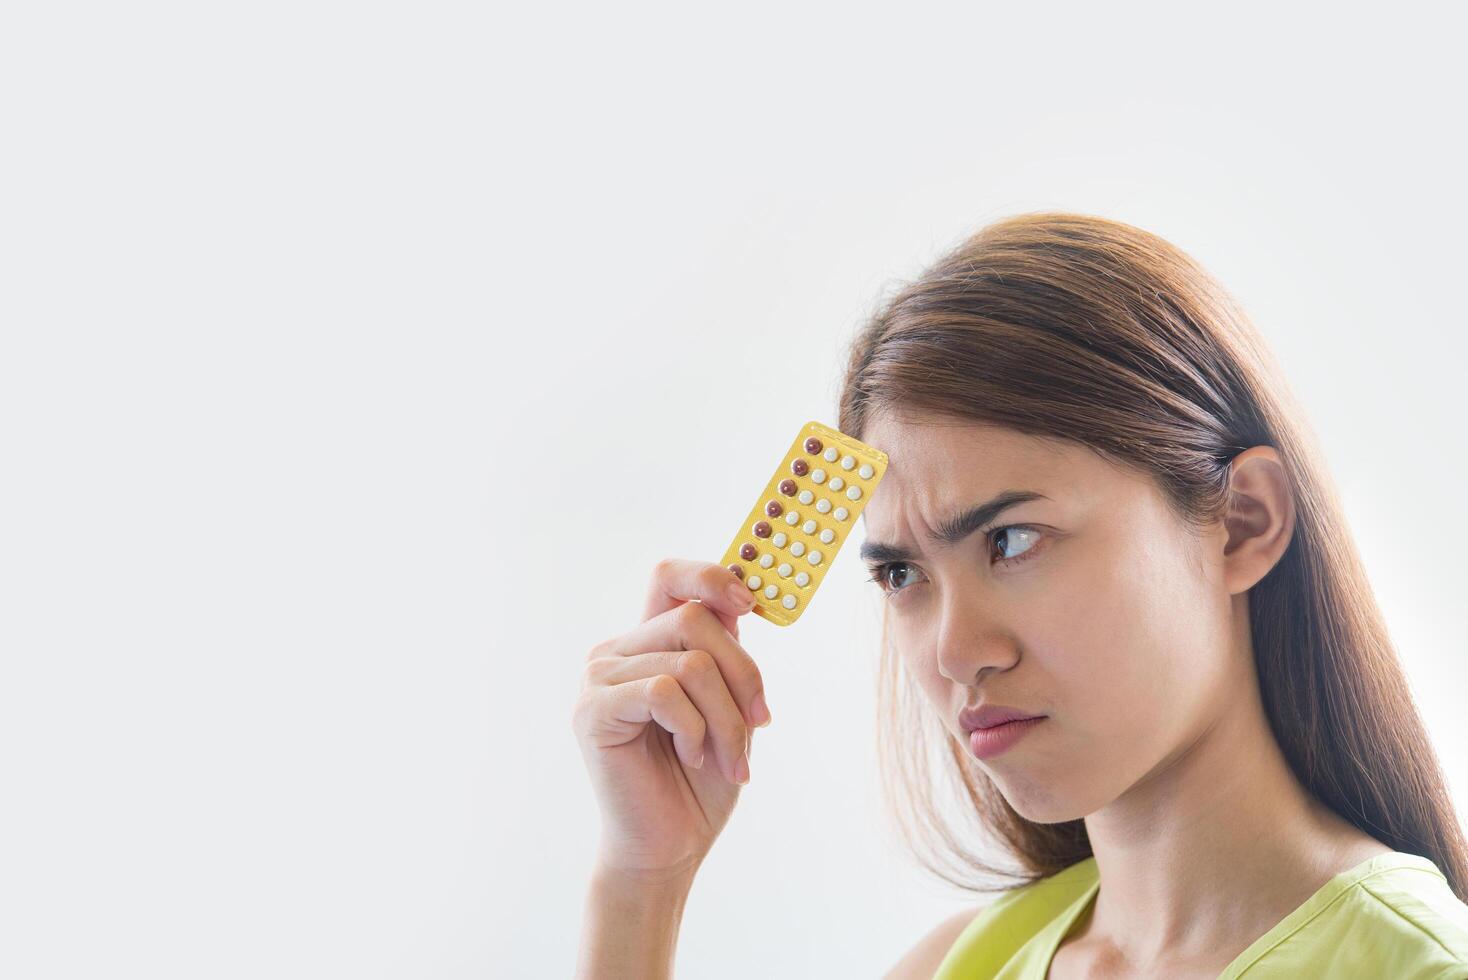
x=741 y=770
x=741 y=596
x=760 y=710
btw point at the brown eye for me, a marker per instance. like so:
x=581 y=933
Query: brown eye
x=889 y=575
x=1015 y=543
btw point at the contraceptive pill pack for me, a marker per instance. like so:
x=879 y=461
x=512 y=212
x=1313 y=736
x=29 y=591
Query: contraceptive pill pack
x=802 y=518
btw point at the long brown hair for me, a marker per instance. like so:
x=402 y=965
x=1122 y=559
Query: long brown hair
x=1092 y=330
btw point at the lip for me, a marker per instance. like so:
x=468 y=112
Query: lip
x=987 y=742
x=992 y=715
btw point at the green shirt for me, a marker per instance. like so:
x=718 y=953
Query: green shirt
x=1392 y=916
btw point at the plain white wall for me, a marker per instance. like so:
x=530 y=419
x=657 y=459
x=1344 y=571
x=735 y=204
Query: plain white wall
x=360 y=360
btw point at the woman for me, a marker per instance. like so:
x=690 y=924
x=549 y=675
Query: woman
x=1102 y=512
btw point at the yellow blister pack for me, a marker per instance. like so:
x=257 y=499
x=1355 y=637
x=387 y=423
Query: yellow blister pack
x=802 y=518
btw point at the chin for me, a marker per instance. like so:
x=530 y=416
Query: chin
x=1040 y=802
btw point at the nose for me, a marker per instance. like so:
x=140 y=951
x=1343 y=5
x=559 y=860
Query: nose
x=973 y=641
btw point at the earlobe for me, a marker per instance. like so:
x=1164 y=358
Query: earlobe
x=1260 y=517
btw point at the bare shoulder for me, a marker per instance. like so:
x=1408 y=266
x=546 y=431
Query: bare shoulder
x=921 y=962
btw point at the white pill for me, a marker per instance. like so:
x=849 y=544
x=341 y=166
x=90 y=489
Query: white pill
x=809 y=527
x=771 y=591
x=780 y=540
x=802 y=579
x=814 y=558
x=841 y=513
x=788 y=602
x=797 y=548
x=784 y=569
x=818 y=476
x=827 y=536
x=792 y=518
x=753 y=582
x=805 y=497
x=866 y=471
x=836 y=483
x=823 y=506
x=830 y=454
x=766 y=560
x=847 y=462
x=854 y=493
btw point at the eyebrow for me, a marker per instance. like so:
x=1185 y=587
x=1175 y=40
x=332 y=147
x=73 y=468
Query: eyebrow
x=956 y=528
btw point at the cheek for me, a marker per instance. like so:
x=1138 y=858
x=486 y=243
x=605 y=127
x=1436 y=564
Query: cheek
x=1118 y=626
x=914 y=647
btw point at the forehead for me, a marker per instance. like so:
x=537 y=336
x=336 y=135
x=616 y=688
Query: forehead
x=935 y=465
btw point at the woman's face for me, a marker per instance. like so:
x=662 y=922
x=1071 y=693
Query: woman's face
x=1100 y=610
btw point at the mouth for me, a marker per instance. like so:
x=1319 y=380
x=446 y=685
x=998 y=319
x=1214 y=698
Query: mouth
x=988 y=742
x=989 y=716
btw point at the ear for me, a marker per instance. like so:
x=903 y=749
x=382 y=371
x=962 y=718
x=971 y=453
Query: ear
x=1260 y=517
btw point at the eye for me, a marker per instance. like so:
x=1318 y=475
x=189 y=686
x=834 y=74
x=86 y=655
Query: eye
x=1027 y=536
x=885 y=573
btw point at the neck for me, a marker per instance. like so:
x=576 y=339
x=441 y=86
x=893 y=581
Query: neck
x=1218 y=843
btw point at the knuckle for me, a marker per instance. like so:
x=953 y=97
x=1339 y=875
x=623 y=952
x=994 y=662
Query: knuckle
x=755 y=678
x=690 y=616
x=579 y=710
x=698 y=729
x=660 y=688
x=737 y=734
x=594 y=673
x=711 y=577
x=694 y=664
x=599 y=651
x=663 y=569
x=742 y=667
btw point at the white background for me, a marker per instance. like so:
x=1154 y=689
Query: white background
x=359 y=361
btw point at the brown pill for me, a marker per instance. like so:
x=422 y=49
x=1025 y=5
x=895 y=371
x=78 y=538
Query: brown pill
x=774 y=509
x=762 y=529
x=738 y=570
x=787 y=487
x=747 y=551
x=800 y=467
x=813 y=445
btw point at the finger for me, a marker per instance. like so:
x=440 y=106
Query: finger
x=730 y=623
x=694 y=626
x=698 y=674
x=679 y=580
x=661 y=698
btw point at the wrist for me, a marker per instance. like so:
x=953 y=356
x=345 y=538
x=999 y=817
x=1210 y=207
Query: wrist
x=632 y=922
x=644 y=883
